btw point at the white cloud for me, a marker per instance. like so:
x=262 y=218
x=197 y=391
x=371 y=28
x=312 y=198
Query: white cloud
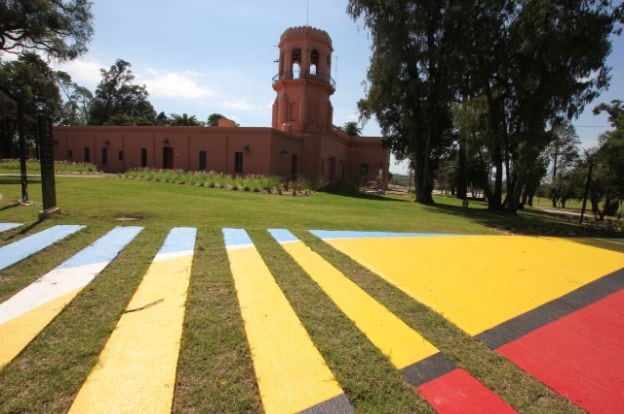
x=174 y=85
x=83 y=72
x=242 y=105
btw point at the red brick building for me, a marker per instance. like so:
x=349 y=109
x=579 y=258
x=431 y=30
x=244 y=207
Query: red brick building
x=302 y=140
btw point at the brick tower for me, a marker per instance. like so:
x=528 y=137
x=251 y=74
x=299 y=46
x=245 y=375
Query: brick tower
x=304 y=83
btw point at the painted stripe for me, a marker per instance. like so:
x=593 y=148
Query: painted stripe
x=56 y=288
x=469 y=396
x=21 y=249
x=346 y=234
x=8 y=226
x=291 y=373
x=398 y=342
x=580 y=355
x=487 y=280
x=552 y=311
x=136 y=369
x=418 y=360
x=236 y=239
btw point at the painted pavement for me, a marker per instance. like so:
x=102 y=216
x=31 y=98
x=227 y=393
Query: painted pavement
x=546 y=304
x=554 y=307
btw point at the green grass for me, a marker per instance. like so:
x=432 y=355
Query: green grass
x=215 y=372
x=60 y=167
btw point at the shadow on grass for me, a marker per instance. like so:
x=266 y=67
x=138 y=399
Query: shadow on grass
x=16 y=179
x=359 y=195
x=527 y=222
x=10 y=206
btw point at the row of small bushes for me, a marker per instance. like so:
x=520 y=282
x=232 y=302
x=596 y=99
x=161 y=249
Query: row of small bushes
x=211 y=179
x=33 y=166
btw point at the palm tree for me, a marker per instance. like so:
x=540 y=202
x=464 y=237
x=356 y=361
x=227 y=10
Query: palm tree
x=351 y=128
x=184 y=120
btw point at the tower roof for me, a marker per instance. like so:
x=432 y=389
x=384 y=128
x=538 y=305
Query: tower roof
x=306 y=31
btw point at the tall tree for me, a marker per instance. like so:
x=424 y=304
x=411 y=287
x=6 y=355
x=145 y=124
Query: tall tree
x=118 y=101
x=184 y=120
x=61 y=29
x=213 y=119
x=411 y=74
x=352 y=128
x=609 y=159
x=558 y=65
x=75 y=110
x=32 y=88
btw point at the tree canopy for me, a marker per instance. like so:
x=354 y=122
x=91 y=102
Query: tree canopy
x=213 y=119
x=533 y=62
x=118 y=101
x=61 y=29
x=352 y=128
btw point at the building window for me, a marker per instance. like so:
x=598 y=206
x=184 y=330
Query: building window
x=202 y=160
x=70 y=155
x=104 y=156
x=120 y=155
x=143 y=157
x=238 y=162
x=314 y=61
x=296 y=64
x=364 y=171
x=87 y=155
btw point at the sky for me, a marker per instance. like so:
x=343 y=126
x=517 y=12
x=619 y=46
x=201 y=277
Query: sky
x=204 y=56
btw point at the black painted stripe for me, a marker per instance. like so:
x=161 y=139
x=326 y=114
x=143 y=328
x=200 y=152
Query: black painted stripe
x=552 y=311
x=336 y=405
x=428 y=369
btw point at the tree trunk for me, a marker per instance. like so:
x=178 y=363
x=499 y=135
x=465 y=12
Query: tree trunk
x=22 y=151
x=462 y=183
x=496 y=197
x=422 y=180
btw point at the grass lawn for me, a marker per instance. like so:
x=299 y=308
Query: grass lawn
x=215 y=372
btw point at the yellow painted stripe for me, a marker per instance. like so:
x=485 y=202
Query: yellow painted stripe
x=292 y=375
x=478 y=282
x=18 y=332
x=400 y=343
x=136 y=370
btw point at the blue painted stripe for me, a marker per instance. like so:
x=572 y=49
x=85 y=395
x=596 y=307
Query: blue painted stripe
x=179 y=239
x=340 y=234
x=236 y=238
x=104 y=249
x=8 y=226
x=21 y=249
x=283 y=235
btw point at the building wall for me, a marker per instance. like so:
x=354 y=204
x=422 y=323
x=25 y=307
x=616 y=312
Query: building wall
x=117 y=149
x=334 y=157
x=369 y=161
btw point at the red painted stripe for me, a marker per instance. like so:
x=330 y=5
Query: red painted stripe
x=581 y=355
x=457 y=392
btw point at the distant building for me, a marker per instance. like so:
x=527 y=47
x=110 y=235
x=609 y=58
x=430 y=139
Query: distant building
x=302 y=140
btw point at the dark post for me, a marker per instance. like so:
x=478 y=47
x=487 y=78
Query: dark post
x=46 y=159
x=22 y=151
x=589 y=173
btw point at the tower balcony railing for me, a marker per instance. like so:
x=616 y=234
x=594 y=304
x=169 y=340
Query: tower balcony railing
x=317 y=76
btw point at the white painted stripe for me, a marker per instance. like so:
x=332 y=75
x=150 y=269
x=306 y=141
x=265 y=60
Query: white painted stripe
x=67 y=277
x=49 y=287
x=172 y=255
x=239 y=246
x=8 y=226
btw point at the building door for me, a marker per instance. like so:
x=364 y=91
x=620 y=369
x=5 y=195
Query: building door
x=168 y=158
x=294 y=167
x=332 y=168
x=238 y=162
x=202 y=160
x=143 y=157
